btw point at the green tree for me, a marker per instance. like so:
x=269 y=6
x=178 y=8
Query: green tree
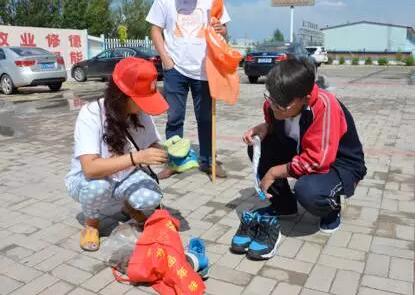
x=74 y=14
x=98 y=17
x=7 y=12
x=132 y=14
x=278 y=36
x=37 y=13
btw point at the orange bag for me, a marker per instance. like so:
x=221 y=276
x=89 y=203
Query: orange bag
x=159 y=259
x=222 y=61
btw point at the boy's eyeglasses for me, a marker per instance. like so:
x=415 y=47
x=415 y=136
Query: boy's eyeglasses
x=274 y=105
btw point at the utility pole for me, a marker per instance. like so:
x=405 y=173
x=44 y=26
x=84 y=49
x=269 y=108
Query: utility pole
x=292 y=12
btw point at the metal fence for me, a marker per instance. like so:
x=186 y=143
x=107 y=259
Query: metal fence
x=113 y=43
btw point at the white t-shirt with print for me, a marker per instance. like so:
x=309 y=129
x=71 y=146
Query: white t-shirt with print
x=184 y=23
x=88 y=137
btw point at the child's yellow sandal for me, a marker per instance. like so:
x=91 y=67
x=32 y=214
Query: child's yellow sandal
x=90 y=239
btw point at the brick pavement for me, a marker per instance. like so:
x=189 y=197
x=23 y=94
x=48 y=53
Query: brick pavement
x=373 y=253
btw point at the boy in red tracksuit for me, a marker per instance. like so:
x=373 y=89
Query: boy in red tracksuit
x=309 y=135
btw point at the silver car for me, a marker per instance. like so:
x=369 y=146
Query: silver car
x=30 y=66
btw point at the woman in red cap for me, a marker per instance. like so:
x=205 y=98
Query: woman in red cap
x=115 y=137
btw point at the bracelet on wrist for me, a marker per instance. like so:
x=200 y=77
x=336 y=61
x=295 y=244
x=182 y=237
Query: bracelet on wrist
x=131 y=159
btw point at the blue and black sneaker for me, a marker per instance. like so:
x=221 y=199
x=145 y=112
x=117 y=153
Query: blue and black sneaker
x=197 y=258
x=331 y=223
x=264 y=245
x=245 y=233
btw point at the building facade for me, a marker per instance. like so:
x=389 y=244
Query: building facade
x=369 y=37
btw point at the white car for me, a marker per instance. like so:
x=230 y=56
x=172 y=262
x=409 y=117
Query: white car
x=318 y=53
x=30 y=66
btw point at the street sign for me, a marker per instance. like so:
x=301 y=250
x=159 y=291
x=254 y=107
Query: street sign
x=293 y=2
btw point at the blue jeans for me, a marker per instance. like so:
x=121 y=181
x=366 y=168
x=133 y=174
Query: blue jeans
x=176 y=87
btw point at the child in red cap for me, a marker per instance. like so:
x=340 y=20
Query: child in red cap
x=114 y=137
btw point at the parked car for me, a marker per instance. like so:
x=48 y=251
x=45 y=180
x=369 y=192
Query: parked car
x=318 y=53
x=266 y=56
x=30 y=66
x=102 y=65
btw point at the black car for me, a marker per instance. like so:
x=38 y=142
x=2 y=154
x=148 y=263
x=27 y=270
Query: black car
x=102 y=65
x=263 y=59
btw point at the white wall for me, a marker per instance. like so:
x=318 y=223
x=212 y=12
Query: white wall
x=95 y=45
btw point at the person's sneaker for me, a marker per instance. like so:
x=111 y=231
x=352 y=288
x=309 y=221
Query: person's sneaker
x=245 y=233
x=264 y=245
x=331 y=223
x=219 y=170
x=197 y=258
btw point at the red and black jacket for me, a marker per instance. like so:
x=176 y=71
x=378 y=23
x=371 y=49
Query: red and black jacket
x=328 y=140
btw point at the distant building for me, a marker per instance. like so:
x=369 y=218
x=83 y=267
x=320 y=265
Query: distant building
x=367 y=37
x=243 y=45
x=309 y=34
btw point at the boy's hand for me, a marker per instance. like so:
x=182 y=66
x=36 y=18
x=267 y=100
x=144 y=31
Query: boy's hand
x=274 y=173
x=266 y=182
x=261 y=130
x=248 y=136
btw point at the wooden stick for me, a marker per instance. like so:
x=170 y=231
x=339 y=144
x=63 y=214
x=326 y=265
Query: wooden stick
x=214 y=141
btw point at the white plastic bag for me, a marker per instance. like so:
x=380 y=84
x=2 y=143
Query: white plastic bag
x=118 y=247
x=256 y=160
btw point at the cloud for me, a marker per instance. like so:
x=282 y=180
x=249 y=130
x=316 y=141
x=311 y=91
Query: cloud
x=331 y=3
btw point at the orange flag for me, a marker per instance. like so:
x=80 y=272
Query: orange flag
x=222 y=61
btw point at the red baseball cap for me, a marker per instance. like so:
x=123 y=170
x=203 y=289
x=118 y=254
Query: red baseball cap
x=137 y=78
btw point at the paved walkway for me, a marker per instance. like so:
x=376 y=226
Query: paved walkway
x=372 y=254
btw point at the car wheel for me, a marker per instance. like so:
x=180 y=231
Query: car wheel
x=253 y=79
x=55 y=86
x=7 y=86
x=79 y=74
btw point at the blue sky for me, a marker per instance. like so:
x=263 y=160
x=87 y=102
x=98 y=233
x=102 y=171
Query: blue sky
x=256 y=19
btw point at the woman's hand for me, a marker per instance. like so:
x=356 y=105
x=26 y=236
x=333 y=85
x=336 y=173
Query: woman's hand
x=150 y=156
x=261 y=130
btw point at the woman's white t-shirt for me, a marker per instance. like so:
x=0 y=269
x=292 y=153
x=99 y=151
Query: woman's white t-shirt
x=88 y=137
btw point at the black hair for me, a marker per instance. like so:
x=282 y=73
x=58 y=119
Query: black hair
x=290 y=79
x=117 y=119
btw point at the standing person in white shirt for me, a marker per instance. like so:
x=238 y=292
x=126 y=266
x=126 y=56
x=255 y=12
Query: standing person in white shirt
x=178 y=33
x=114 y=137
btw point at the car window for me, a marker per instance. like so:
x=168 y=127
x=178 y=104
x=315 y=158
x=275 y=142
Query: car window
x=311 y=50
x=2 y=54
x=22 y=51
x=106 y=54
x=124 y=52
x=297 y=49
x=145 y=51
